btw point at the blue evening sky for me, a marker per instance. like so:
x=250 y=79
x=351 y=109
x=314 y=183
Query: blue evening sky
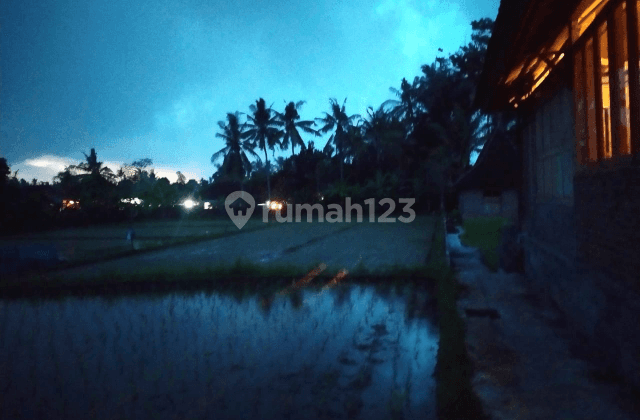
x=150 y=79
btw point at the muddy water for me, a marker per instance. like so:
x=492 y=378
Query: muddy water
x=341 y=353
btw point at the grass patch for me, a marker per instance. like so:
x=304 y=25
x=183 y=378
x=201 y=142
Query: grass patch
x=455 y=398
x=484 y=233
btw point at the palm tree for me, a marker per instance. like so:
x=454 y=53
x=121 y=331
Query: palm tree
x=291 y=125
x=278 y=164
x=235 y=163
x=342 y=123
x=381 y=130
x=262 y=130
x=407 y=105
x=93 y=167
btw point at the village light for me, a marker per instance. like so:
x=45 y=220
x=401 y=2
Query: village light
x=136 y=201
x=189 y=204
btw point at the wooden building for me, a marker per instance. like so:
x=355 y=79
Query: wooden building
x=570 y=68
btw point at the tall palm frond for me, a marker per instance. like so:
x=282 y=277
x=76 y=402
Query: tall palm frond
x=235 y=161
x=263 y=131
x=289 y=120
x=406 y=106
x=339 y=121
x=92 y=167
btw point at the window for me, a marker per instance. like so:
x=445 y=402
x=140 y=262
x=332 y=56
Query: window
x=602 y=88
x=605 y=98
x=620 y=73
x=552 y=160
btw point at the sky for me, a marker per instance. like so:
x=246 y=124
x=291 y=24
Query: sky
x=151 y=78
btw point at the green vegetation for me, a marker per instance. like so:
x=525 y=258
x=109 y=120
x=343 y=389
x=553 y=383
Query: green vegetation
x=484 y=233
x=454 y=395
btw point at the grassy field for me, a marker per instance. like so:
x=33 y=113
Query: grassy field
x=484 y=233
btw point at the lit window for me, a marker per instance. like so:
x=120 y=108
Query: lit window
x=620 y=79
x=602 y=88
x=603 y=74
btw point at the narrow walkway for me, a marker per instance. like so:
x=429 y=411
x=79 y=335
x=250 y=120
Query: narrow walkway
x=523 y=366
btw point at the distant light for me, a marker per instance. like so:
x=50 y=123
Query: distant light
x=274 y=205
x=207 y=206
x=189 y=203
x=72 y=202
x=135 y=201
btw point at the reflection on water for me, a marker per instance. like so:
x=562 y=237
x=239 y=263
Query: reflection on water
x=339 y=353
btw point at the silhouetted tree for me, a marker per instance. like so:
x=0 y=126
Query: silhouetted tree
x=339 y=121
x=235 y=162
x=93 y=167
x=291 y=126
x=263 y=131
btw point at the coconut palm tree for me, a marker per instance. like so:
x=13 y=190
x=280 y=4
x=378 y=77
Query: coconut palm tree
x=339 y=121
x=408 y=105
x=94 y=168
x=291 y=125
x=235 y=162
x=263 y=130
x=380 y=129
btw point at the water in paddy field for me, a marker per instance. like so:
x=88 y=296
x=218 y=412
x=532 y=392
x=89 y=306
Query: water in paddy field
x=341 y=353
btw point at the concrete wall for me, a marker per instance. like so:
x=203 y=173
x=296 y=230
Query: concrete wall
x=473 y=203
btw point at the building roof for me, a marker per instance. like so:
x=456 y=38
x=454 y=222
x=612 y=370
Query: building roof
x=521 y=28
x=498 y=168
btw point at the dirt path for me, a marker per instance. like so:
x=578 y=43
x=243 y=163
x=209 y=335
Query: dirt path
x=524 y=366
x=339 y=245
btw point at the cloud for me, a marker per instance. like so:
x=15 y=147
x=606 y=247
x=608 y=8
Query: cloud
x=170 y=174
x=45 y=167
x=187 y=110
x=424 y=27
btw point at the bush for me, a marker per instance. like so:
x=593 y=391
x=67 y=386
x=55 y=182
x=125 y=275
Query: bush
x=484 y=233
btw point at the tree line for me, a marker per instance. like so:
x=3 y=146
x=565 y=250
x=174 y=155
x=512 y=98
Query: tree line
x=412 y=146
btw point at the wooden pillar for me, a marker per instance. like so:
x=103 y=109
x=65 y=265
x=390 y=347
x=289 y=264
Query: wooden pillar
x=634 y=76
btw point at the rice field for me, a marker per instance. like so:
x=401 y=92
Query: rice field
x=89 y=243
x=344 y=352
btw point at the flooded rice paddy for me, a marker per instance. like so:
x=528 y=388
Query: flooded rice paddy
x=346 y=352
